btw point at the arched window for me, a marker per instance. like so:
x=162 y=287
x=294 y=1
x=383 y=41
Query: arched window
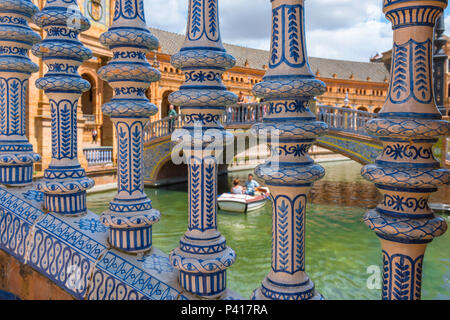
x=362 y=108
x=88 y=98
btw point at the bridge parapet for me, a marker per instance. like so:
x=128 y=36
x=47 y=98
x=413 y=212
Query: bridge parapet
x=74 y=254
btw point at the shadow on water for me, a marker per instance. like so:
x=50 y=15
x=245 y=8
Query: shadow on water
x=339 y=247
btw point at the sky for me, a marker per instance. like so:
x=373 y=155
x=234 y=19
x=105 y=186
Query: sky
x=353 y=30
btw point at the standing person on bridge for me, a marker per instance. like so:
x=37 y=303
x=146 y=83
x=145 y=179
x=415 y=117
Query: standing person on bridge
x=240 y=108
x=172 y=113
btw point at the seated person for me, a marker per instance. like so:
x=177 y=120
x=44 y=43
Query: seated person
x=251 y=185
x=237 y=189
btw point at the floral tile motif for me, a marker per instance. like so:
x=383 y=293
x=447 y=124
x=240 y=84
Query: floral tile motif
x=92 y=225
x=34 y=195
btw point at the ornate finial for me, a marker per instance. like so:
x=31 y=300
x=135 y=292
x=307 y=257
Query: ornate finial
x=203 y=256
x=346 y=100
x=406 y=172
x=130 y=215
x=65 y=182
x=16 y=154
x=288 y=87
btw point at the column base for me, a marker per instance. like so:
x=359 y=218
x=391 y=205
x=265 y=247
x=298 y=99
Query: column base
x=135 y=240
x=210 y=285
x=73 y=204
x=130 y=224
x=203 y=265
x=272 y=291
x=16 y=176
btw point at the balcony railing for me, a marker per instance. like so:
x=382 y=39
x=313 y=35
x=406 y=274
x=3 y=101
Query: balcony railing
x=90 y=118
x=99 y=156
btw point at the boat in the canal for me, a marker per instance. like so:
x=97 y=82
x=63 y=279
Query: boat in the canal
x=243 y=203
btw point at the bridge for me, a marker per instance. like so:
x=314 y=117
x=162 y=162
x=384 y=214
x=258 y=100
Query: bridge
x=346 y=136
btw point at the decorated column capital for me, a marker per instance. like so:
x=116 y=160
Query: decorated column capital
x=406 y=173
x=130 y=215
x=65 y=182
x=16 y=153
x=289 y=87
x=203 y=255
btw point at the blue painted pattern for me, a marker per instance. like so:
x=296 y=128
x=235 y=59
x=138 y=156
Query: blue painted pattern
x=63 y=53
x=202 y=259
x=288 y=87
x=130 y=215
x=16 y=154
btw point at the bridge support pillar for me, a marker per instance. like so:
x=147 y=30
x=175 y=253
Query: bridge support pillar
x=288 y=87
x=16 y=153
x=65 y=182
x=130 y=216
x=406 y=172
x=203 y=255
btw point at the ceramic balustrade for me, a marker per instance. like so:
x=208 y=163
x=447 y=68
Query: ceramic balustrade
x=65 y=182
x=130 y=215
x=203 y=256
x=288 y=88
x=406 y=172
x=16 y=153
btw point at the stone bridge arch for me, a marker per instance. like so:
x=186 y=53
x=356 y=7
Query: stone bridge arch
x=341 y=139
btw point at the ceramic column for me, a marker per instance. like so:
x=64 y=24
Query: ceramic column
x=16 y=153
x=406 y=172
x=130 y=215
x=65 y=182
x=289 y=86
x=203 y=255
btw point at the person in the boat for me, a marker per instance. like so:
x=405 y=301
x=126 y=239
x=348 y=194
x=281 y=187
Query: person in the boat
x=251 y=186
x=237 y=188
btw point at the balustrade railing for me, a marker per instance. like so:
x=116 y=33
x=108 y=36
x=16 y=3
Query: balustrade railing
x=90 y=118
x=345 y=119
x=342 y=119
x=163 y=127
x=245 y=113
x=98 y=155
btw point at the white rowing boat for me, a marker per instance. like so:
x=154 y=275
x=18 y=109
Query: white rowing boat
x=242 y=203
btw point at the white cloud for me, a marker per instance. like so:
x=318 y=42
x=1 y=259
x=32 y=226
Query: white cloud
x=339 y=29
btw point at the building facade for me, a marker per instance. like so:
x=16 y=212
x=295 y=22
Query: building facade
x=357 y=85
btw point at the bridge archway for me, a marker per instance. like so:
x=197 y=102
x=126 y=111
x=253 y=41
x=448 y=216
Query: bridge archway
x=376 y=110
x=346 y=136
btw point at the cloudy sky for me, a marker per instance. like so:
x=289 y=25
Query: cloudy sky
x=339 y=29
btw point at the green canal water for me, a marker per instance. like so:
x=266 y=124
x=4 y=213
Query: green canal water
x=339 y=247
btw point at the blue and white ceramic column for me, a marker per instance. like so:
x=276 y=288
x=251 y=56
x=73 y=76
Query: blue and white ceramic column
x=130 y=215
x=406 y=172
x=16 y=153
x=203 y=255
x=65 y=182
x=288 y=87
